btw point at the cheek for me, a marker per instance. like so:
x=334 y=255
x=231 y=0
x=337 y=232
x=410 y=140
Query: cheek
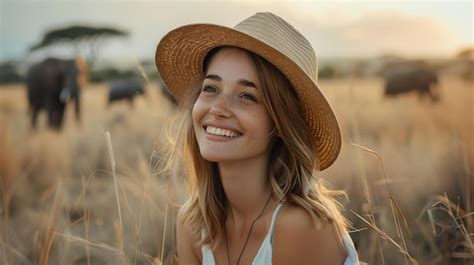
x=261 y=122
x=266 y=121
x=196 y=112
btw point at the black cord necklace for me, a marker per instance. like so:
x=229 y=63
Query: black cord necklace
x=248 y=235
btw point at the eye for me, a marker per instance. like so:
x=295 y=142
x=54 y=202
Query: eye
x=249 y=97
x=209 y=89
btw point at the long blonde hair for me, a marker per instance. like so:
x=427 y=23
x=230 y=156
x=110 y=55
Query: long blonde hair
x=292 y=166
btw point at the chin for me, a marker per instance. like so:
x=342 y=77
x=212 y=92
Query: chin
x=211 y=157
x=216 y=156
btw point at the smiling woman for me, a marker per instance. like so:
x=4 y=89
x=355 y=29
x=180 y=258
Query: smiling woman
x=229 y=103
x=256 y=130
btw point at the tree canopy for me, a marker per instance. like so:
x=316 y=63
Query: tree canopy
x=76 y=33
x=84 y=40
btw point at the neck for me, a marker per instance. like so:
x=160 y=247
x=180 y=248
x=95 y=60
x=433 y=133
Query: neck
x=247 y=189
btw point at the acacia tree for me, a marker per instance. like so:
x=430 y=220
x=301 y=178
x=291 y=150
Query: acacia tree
x=83 y=39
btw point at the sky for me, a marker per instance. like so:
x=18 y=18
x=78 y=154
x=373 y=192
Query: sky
x=335 y=28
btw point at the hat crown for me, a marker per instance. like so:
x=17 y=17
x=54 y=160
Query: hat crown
x=283 y=37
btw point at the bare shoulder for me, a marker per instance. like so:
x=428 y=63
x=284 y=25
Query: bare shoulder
x=187 y=247
x=297 y=240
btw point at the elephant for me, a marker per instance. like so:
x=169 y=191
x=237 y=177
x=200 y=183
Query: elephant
x=51 y=84
x=125 y=89
x=404 y=79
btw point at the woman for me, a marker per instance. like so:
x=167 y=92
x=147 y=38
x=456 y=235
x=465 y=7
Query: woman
x=255 y=129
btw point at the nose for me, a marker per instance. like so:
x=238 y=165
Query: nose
x=221 y=107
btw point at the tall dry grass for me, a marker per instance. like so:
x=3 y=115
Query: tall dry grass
x=59 y=191
x=90 y=195
x=422 y=151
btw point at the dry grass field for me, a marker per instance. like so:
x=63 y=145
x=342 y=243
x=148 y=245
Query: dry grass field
x=406 y=165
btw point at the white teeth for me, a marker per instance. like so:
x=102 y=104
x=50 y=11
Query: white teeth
x=220 y=131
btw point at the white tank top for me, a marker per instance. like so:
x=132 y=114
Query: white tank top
x=264 y=254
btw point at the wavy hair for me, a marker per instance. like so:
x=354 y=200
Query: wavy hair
x=293 y=163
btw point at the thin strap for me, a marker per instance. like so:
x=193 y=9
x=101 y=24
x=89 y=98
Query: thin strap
x=272 y=224
x=352 y=257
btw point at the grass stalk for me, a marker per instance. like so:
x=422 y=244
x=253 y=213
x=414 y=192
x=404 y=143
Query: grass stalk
x=163 y=240
x=50 y=235
x=15 y=252
x=393 y=205
x=387 y=237
x=355 y=131
x=86 y=234
x=112 y=163
x=142 y=206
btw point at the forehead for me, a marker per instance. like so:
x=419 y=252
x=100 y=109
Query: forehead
x=233 y=63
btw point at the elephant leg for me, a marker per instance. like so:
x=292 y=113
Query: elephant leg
x=55 y=117
x=421 y=95
x=434 y=93
x=34 y=116
x=423 y=92
x=77 y=109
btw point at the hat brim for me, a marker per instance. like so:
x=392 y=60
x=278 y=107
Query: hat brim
x=179 y=60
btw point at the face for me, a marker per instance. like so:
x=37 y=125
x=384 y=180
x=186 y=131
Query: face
x=229 y=118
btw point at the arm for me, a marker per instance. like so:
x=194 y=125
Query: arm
x=298 y=241
x=188 y=251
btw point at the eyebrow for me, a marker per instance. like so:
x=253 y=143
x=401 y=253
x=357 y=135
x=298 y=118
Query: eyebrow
x=242 y=82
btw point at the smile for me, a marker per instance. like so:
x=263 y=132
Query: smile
x=222 y=132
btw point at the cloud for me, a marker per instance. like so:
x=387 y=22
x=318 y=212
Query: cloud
x=344 y=29
x=400 y=33
x=339 y=32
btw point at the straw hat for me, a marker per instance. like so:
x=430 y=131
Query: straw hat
x=180 y=54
